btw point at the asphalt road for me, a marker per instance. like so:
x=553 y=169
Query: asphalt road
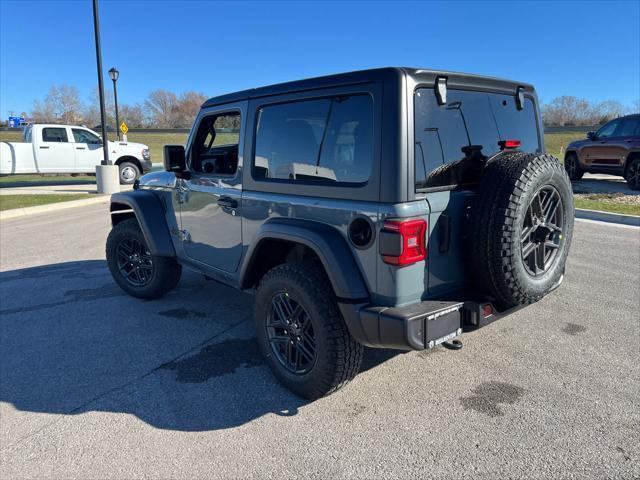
x=96 y=384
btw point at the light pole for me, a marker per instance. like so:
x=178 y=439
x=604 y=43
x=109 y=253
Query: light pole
x=107 y=174
x=114 y=74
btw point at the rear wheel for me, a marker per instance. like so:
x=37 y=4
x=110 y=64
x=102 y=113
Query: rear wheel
x=301 y=332
x=523 y=228
x=134 y=268
x=572 y=166
x=633 y=174
x=128 y=173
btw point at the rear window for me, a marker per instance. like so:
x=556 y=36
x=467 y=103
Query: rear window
x=454 y=140
x=327 y=140
x=54 y=135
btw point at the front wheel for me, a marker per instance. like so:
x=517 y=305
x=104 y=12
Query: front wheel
x=301 y=332
x=134 y=268
x=128 y=173
x=633 y=174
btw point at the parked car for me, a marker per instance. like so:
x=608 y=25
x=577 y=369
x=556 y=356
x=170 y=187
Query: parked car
x=613 y=149
x=393 y=208
x=70 y=149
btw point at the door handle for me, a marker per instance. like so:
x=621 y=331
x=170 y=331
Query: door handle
x=43 y=147
x=80 y=148
x=228 y=202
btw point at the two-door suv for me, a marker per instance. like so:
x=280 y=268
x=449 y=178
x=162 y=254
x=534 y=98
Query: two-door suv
x=614 y=149
x=391 y=208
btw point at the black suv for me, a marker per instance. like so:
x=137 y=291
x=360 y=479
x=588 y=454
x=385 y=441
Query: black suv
x=391 y=208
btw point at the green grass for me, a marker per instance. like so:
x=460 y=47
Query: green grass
x=607 y=207
x=8 y=202
x=26 y=179
x=609 y=202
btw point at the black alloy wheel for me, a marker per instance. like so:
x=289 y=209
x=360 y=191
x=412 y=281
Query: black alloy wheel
x=134 y=262
x=290 y=334
x=542 y=231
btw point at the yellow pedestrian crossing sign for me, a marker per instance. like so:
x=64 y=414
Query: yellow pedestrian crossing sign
x=123 y=128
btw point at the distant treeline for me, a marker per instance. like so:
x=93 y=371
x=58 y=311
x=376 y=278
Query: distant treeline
x=573 y=111
x=165 y=109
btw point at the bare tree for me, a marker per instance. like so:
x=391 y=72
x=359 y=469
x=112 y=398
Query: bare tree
x=132 y=115
x=91 y=112
x=187 y=108
x=43 y=112
x=62 y=104
x=160 y=106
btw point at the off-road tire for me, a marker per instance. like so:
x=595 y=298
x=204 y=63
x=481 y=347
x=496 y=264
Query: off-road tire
x=632 y=174
x=128 y=166
x=508 y=185
x=338 y=355
x=576 y=173
x=166 y=271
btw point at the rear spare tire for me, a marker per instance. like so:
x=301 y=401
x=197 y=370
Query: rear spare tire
x=522 y=228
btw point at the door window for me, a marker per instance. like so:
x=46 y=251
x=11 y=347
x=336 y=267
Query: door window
x=215 y=147
x=328 y=140
x=84 y=136
x=607 y=130
x=54 y=135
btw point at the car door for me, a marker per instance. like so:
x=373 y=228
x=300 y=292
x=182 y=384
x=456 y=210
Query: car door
x=55 y=153
x=604 y=149
x=87 y=149
x=210 y=200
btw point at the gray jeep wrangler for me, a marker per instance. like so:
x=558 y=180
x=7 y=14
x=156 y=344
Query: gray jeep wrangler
x=390 y=208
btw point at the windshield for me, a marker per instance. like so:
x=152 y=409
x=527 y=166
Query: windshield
x=454 y=140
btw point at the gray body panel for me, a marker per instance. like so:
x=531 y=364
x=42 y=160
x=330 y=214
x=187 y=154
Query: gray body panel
x=221 y=241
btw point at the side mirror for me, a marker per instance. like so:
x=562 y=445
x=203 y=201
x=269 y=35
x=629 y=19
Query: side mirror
x=591 y=135
x=174 y=159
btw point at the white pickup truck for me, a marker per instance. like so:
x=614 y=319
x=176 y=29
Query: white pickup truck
x=70 y=149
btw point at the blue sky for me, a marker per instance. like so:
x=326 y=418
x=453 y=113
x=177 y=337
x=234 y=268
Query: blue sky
x=586 y=49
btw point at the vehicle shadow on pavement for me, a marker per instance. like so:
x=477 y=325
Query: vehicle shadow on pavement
x=73 y=342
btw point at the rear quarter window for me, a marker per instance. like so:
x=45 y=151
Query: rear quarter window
x=326 y=140
x=452 y=141
x=54 y=135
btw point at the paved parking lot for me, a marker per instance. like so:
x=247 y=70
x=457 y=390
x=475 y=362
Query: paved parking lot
x=96 y=384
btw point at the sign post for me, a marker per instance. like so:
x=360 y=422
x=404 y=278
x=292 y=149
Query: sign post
x=124 y=129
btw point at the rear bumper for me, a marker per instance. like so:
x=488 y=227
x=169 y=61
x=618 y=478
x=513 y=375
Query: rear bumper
x=419 y=326
x=422 y=325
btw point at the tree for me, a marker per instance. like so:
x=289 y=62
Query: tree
x=187 y=108
x=160 y=106
x=91 y=113
x=61 y=105
x=132 y=115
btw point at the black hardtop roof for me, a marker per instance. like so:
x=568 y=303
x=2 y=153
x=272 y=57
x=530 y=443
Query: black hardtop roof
x=418 y=75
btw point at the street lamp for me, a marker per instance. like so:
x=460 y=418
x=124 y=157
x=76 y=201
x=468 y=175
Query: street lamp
x=114 y=74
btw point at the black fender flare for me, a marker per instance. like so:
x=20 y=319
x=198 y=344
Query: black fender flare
x=325 y=241
x=150 y=214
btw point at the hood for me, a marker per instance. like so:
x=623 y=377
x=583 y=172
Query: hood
x=579 y=143
x=137 y=146
x=160 y=179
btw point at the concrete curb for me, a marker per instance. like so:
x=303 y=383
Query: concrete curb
x=52 y=207
x=621 y=218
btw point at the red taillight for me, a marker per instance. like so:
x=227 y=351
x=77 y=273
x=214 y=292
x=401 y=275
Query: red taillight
x=509 y=144
x=412 y=241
